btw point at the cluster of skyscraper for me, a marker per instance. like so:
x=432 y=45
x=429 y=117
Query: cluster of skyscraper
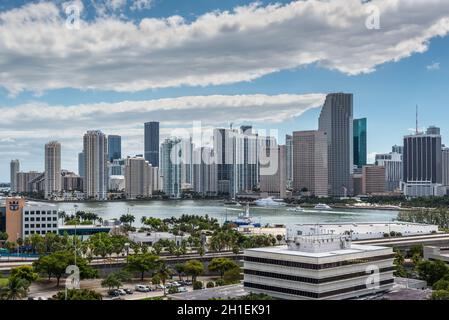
x=329 y=161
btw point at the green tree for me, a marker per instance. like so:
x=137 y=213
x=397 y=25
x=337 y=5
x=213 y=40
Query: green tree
x=144 y=262
x=440 y=295
x=221 y=265
x=180 y=269
x=432 y=271
x=164 y=274
x=15 y=289
x=112 y=281
x=232 y=276
x=78 y=294
x=128 y=219
x=24 y=272
x=194 y=268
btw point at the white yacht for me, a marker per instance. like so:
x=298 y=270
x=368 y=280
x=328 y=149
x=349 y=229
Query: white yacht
x=296 y=209
x=269 y=202
x=322 y=206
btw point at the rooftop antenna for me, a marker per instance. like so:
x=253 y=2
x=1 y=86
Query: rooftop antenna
x=417 y=131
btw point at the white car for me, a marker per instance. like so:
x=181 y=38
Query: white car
x=182 y=289
x=142 y=288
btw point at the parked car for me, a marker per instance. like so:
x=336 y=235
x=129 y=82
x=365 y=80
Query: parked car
x=142 y=288
x=182 y=289
x=128 y=291
x=160 y=287
x=121 y=292
x=175 y=284
x=113 y=293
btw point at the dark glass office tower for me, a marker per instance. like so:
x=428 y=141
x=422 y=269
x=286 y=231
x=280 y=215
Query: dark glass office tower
x=422 y=159
x=114 y=147
x=336 y=120
x=360 y=155
x=152 y=143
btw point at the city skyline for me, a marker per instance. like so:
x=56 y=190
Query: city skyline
x=267 y=95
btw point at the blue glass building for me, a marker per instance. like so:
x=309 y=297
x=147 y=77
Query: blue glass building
x=360 y=153
x=152 y=143
x=114 y=147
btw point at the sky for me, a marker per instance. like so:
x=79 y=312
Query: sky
x=120 y=63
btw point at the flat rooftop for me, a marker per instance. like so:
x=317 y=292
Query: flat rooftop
x=283 y=250
x=225 y=292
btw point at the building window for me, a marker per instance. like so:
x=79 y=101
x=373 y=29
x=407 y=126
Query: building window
x=27 y=212
x=27 y=219
x=55 y=226
x=27 y=226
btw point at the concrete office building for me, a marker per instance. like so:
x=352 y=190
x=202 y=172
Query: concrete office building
x=14 y=169
x=152 y=143
x=373 y=180
x=186 y=158
x=171 y=167
x=359 y=138
x=310 y=162
x=71 y=182
x=157 y=180
x=138 y=178
x=275 y=183
x=52 y=169
x=24 y=179
x=336 y=120
x=445 y=167
x=23 y=219
x=95 y=165
x=422 y=164
x=114 y=147
x=393 y=168
x=319 y=267
x=289 y=159
x=117 y=183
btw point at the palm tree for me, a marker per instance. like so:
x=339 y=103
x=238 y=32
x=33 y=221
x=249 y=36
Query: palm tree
x=15 y=289
x=164 y=273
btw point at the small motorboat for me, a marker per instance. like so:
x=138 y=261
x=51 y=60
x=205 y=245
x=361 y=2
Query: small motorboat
x=296 y=209
x=322 y=206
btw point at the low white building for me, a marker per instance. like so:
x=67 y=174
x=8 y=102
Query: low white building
x=436 y=253
x=362 y=230
x=151 y=238
x=39 y=218
x=321 y=267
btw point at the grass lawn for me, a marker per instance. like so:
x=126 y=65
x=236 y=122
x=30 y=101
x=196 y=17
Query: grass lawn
x=3 y=281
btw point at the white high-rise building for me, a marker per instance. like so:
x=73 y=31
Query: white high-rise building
x=52 y=169
x=138 y=178
x=171 y=167
x=204 y=172
x=95 y=165
x=14 y=170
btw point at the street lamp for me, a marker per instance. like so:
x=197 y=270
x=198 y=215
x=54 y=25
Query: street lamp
x=127 y=250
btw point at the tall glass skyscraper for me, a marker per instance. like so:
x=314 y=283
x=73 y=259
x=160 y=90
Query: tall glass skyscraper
x=114 y=147
x=152 y=143
x=336 y=120
x=360 y=153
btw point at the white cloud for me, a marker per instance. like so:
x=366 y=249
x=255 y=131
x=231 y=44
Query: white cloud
x=26 y=128
x=141 y=4
x=38 y=53
x=434 y=66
